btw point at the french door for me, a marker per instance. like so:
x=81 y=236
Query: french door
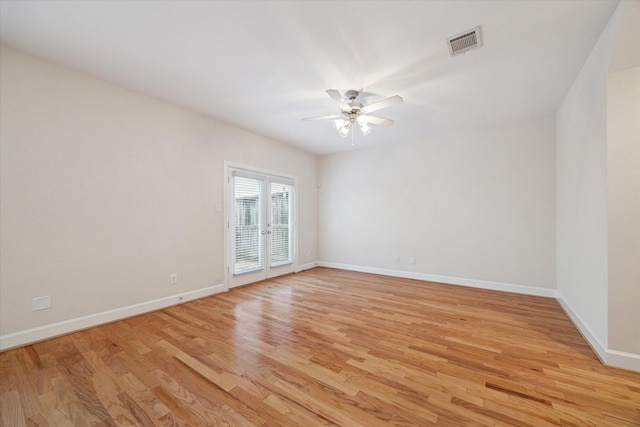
x=261 y=226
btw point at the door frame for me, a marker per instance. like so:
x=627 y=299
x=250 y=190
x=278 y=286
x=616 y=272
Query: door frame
x=228 y=213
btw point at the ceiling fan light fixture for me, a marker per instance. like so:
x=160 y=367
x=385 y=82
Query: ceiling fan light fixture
x=339 y=123
x=355 y=112
x=344 y=130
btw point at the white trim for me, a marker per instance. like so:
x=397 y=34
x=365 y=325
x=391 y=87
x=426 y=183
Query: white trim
x=306 y=266
x=51 y=330
x=473 y=283
x=621 y=359
x=250 y=169
x=591 y=339
x=615 y=358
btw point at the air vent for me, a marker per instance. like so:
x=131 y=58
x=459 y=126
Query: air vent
x=464 y=42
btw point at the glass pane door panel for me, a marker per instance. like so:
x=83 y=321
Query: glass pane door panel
x=281 y=224
x=248 y=253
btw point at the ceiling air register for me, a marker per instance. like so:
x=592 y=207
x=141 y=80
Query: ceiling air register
x=464 y=42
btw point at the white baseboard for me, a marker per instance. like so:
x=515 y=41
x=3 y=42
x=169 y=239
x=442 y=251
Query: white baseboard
x=51 y=330
x=473 y=283
x=595 y=344
x=609 y=357
x=621 y=359
x=306 y=266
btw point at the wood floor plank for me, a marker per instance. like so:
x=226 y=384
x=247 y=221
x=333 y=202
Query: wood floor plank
x=24 y=385
x=62 y=407
x=324 y=347
x=11 y=409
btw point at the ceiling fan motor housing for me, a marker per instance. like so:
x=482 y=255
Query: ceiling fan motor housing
x=351 y=95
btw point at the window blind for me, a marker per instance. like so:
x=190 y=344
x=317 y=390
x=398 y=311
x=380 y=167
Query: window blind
x=248 y=224
x=281 y=224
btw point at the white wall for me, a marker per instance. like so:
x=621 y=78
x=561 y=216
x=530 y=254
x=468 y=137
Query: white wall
x=477 y=204
x=105 y=192
x=581 y=193
x=623 y=173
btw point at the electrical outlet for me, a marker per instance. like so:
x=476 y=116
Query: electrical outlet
x=412 y=260
x=173 y=279
x=41 y=303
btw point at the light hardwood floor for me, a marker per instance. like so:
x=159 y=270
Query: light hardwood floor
x=324 y=347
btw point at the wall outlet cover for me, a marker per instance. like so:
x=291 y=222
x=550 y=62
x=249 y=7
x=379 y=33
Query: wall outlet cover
x=41 y=303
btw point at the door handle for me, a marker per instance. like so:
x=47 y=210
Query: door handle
x=264 y=232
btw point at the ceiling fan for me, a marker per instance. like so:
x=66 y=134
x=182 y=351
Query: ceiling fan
x=355 y=112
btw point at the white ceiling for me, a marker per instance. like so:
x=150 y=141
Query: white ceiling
x=264 y=65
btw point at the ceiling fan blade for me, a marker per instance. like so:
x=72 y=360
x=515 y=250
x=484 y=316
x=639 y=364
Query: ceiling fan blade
x=379 y=121
x=382 y=104
x=333 y=116
x=335 y=95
